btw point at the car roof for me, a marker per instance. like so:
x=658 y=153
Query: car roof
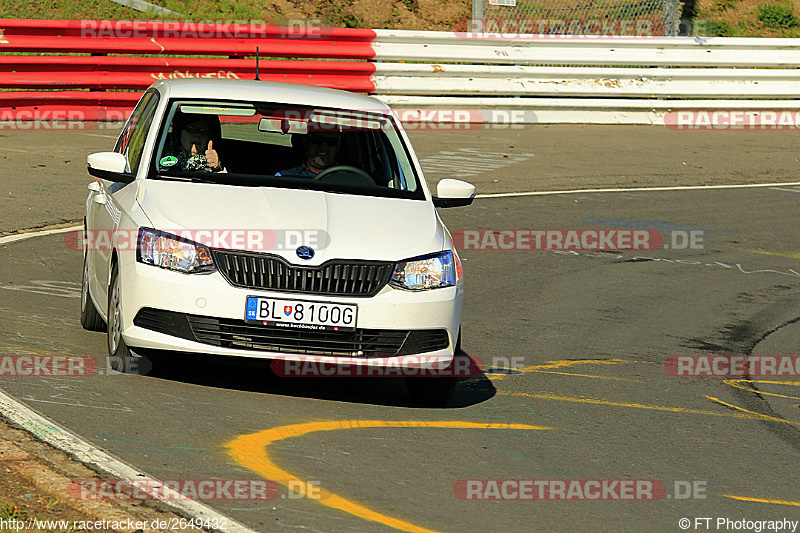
x=266 y=91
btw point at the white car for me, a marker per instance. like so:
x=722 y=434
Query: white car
x=273 y=221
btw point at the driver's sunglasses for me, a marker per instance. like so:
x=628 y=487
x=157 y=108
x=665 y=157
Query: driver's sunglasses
x=191 y=130
x=320 y=140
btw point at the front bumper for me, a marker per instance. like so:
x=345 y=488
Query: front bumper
x=210 y=296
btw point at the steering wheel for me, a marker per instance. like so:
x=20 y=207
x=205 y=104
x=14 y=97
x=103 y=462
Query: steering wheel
x=363 y=176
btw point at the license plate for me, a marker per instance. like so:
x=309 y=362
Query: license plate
x=301 y=314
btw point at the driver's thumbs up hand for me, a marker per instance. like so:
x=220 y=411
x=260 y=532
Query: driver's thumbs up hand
x=212 y=158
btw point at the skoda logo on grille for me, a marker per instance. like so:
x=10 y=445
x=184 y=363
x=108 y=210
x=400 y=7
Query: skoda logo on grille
x=304 y=252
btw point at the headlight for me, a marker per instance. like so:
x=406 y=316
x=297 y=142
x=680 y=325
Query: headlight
x=423 y=273
x=171 y=252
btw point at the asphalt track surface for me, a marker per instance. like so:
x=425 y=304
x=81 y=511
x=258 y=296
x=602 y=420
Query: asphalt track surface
x=589 y=332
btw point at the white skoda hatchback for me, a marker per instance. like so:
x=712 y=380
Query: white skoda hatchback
x=273 y=221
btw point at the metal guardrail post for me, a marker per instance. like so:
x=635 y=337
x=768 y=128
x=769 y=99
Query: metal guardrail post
x=670 y=12
x=478 y=12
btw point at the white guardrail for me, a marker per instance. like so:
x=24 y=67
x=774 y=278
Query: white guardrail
x=568 y=79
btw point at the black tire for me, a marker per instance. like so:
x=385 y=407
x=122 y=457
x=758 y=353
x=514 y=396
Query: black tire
x=433 y=391
x=120 y=357
x=90 y=318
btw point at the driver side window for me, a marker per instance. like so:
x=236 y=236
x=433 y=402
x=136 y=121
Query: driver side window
x=131 y=140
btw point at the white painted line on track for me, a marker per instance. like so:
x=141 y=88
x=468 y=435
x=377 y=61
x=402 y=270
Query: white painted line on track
x=636 y=189
x=58 y=437
x=31 y=234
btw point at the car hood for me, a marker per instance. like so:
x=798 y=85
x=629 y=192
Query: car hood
x=336 y=226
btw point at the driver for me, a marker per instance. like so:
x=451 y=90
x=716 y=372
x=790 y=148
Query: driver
x=191 y=145
x=319 y=152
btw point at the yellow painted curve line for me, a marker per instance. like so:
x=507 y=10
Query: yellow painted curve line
x=503 y=376
x=760 y=500
x=547 y=396
x=250 y=451
x=765 y=417
x=737 y=383
x=584 y=375
x=764 y=252
x=572 y=362
x=563 y=363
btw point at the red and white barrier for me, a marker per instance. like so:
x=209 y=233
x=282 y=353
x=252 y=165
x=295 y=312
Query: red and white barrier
x=333 y=57
x=534 y=78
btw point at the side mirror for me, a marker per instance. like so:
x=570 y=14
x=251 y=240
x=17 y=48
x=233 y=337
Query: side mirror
x=109 y=166
x=453 y=193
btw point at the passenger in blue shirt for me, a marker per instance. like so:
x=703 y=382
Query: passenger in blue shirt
x=319 y=150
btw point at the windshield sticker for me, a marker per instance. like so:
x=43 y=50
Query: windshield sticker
x=169 y=161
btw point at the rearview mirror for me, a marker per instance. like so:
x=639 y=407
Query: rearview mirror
x=453 y=193
x=282 y=125
x=109 y=166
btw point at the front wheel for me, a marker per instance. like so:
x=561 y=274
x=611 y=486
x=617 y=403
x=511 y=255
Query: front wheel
x=120 y=358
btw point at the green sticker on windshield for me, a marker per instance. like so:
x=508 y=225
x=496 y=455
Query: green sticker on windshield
x=169 y=161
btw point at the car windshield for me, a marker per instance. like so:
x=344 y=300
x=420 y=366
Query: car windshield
x=277 y=145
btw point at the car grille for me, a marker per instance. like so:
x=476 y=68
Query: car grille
x=243 y=335
x=335 y=277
